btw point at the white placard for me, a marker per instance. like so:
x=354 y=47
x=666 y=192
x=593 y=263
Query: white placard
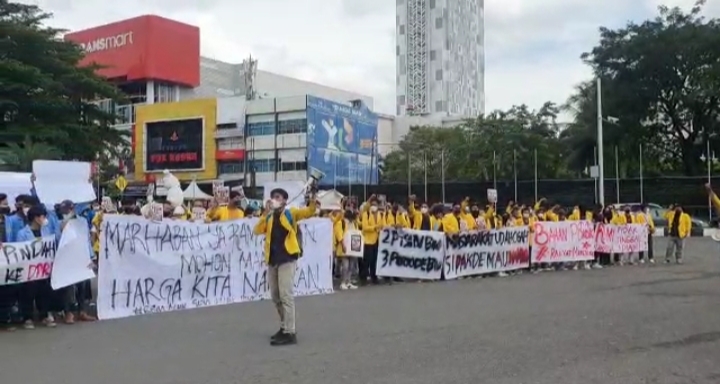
x=14 y=184
x=354 y=243
x=480 y=252
x=492 y=196
x=25 y=261
x=149 y=267
x=56 y=181
x=625 y=238
x=73 y=260
x=410 y=253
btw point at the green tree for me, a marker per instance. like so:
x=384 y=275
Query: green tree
x=492 y=146
x=661 y=79
x=45 y=96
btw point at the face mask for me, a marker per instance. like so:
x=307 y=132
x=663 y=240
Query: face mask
x=44 y=222
x=423 y=210
x=275 y=204
x=526 y=215
x=456 y=210
x=25 y=210
x=467 y=209
x=374 y=208
x=5 y=210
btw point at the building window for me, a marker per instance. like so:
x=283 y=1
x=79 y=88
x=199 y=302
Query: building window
x=262 y=165
x=402 y=29
x=230 y=143
x=225 y=167
x=438 y=23
x=292 y=126
x=439 y=75
x=293 y=166
x=261 y=129
x=433 y=55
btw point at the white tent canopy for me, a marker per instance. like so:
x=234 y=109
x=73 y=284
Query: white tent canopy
x=193 y=192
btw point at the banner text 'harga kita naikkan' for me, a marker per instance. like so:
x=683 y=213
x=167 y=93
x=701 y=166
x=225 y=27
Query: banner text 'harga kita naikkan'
x=342 y=142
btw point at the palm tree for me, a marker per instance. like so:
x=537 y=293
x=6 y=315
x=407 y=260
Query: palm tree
x=19 y=157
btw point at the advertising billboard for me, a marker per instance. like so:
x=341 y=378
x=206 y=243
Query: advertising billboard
x=342 y=142
x=176 y=145
x=143 y=48
x=179 y=137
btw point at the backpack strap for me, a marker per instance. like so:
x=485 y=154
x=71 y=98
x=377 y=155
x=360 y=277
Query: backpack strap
x=288 y=216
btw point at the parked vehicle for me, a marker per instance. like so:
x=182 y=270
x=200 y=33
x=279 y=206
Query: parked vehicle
x=658 y=213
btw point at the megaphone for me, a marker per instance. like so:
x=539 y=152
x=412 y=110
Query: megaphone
x=310 y=188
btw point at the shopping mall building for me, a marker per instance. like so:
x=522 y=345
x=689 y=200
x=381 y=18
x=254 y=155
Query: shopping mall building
x=205 y=119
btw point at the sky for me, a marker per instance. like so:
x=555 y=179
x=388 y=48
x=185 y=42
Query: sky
x=532 y=47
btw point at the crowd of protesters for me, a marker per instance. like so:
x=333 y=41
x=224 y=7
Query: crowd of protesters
x=27 y=304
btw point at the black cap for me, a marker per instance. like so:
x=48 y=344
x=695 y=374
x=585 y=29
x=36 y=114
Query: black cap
x=279 y=191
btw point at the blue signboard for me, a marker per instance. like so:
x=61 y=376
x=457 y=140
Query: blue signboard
x=342 y=142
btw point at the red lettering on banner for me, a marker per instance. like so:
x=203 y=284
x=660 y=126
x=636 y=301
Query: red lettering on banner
x=39 y=271
x=519 y=256
x=173 y=157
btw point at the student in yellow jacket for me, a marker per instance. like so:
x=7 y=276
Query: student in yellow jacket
x=279 y=224
x=372 y=222
x=395 y=218
x=451 y=221
x=467 y=215
x=679 y=226
x=422 y=219
x=347 y=222
x=232 y=211
x=643 y=217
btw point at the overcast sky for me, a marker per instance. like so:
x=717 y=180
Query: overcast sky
x=532 y=47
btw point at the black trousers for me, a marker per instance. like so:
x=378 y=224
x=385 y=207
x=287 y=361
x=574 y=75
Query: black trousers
x=35 y=295
x=368 y=264
x=650 y=249
x=8 y=298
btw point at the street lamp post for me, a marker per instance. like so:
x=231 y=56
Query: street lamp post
x=601 y=160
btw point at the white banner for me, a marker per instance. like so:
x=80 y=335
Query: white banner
x=27 y=261
x=410 y=254
x=563 y=241
x=627 y=238
x=480 y=252
x=150 y=267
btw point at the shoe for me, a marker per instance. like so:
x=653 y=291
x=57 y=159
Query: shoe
x=575 y=268
x=69 y=318
x=28 y=324
x=276 y=335
x=343 y=287
x=642 y=261
x=375 y=281
x=597 y=266
x=352 y=286
x=502 y=274
x=587 y=267
x=678 y=261
x=284 y=339
x=86 y=318
x=652 y=261
x=49 y=322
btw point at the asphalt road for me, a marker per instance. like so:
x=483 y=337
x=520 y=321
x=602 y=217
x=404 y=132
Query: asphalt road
x=643 y=324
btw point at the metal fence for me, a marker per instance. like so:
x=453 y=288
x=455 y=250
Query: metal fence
x=688 y=191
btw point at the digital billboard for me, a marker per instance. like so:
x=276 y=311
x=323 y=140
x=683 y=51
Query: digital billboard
x=174 y=145
x=342 y=142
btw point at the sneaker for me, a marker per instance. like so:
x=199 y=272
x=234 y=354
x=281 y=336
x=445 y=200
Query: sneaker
x=276 y=335
x=284 y=339
x=83 y=316
x=502 y=274
x=28 y=324
x=642 y=261
x=343 y=286
x=652 y=261
x=597 y=266
x=8 y=327
x=352 y=286
x=678 y=261
x=49 y=322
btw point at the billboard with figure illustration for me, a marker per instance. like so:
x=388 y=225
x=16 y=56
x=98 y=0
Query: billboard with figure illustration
x=342 y=142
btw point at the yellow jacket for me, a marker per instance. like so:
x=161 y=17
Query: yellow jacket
x=418 y=218
x=97 y=223
x=265 y=224
x=467 y=217
x=575 y=215
x=620 y=219
x=685 y=224
x=451 y=224
x=643 y=218
x=339 y=229
x=398 y=218
x=372 y=224
x=225 y=214
x=715 y=202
